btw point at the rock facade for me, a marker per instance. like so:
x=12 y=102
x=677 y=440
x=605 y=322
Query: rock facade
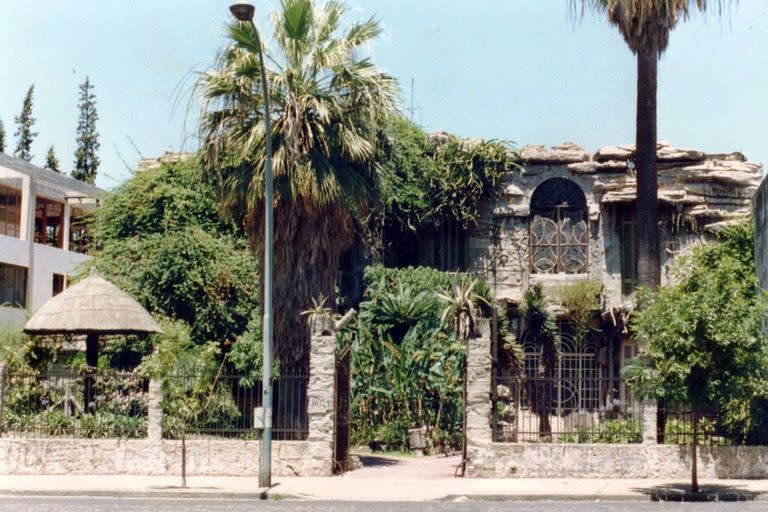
x=761 y=234
x=699 y=193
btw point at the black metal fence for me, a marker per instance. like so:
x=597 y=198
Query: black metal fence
x=115 y=405
x=68 y=404
x=566 y=409
x=674 y=425
x=226 y=406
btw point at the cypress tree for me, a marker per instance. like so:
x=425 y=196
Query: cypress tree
x=51 y=162
x=2 y=137
x=24 y=122
x=86 y=160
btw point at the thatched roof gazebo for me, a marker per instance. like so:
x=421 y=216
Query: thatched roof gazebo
x=92 y=307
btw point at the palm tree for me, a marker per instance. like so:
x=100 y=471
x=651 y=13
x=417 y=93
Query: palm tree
x=541 y=332
x=328 y=103
x=645 y=25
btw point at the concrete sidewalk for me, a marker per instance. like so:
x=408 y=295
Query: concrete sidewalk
x=367 y=488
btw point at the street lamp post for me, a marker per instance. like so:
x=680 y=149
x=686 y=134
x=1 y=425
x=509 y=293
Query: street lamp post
x=244 y=12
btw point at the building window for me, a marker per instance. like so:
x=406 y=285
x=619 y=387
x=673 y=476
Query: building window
x=58 y=284
x=10 y=212
x=628 y=240
x=13 y=285
x=559 y=229
x=49 y=222
x=79 y=230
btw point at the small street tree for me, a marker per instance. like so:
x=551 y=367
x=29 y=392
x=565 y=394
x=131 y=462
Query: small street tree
x=702 y=345
x=24 y=123
x=51 y=162
x=2 y=137
x=86 y=160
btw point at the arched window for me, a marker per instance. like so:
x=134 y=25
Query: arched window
x=559 y=234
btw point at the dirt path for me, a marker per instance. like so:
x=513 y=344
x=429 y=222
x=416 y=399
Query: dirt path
x=385 y=466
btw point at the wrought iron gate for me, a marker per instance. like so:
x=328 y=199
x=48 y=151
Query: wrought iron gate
x=341 y=410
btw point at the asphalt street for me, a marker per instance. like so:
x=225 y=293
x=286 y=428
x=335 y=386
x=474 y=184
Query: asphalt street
x=32 y=504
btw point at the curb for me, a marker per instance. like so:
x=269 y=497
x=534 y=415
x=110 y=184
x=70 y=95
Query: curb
x=542 y=497
x=178 y=494
x=637 y=497
x=274 y=494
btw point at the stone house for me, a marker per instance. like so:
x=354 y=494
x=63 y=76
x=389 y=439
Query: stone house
x=567 y=216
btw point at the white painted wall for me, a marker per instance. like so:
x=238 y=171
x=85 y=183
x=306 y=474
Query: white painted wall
x=41 y=261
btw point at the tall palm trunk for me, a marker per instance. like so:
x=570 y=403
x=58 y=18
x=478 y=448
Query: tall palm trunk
x=648 y=267
x=308 y=242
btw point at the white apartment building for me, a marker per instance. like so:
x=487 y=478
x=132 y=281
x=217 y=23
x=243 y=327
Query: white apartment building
x=43 y=235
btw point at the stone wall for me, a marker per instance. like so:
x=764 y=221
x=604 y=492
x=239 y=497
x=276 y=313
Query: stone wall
x=479 y=391
x=144 y=457
x=321 y=392
x=617 y=461
x=156 y=456
x=551 y=460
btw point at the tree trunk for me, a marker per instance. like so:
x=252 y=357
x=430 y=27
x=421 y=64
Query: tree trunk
x=694 y=443
x=308 y=242
x=648 y=267
x=92 y=360
x=661 y=420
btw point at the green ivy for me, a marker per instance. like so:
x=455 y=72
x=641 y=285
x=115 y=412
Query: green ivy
x=161 y=239
x=432 y=180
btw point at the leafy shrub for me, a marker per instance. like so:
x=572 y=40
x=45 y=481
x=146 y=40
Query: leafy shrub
x=619 y=431
x=702 y=340
x=194 y=395
x=161 y=238
x=407 y=369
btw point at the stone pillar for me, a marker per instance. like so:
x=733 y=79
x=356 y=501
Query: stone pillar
x=154 y=411
x=480 y=457
x=650 y=432
x=320 y=396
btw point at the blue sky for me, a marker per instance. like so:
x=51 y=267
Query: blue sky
x=518 y=70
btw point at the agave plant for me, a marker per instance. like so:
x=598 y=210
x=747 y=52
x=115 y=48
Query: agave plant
x=318 y=310
x=400 y=310
x=460 y=306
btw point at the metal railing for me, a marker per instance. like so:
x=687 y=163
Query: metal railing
x=564 y=410
x=227 y=404
x=674 y=425
x=68 y=404
x=75 y=405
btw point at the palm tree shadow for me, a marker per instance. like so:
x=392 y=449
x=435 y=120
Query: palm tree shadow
x=708 y=492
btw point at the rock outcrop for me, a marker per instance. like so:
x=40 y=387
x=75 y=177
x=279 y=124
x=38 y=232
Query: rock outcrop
x=709 y=190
